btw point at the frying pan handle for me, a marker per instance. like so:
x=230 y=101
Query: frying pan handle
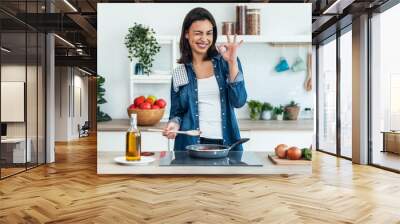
x=240 y=141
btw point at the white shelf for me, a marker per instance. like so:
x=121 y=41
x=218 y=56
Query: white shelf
x=151 y=79
x=165 y=39
x=291 y=39
x=268 y=39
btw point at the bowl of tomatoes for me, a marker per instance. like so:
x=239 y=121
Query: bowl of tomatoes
x=149 y=110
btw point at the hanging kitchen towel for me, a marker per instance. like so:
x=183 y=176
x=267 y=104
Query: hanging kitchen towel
x=282 y=65
x=179 y=77
x=299 y=65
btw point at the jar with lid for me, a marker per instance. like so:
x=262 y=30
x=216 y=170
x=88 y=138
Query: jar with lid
x=307 y=113
x=241 y=19
x=253 y=22
x=228 y=28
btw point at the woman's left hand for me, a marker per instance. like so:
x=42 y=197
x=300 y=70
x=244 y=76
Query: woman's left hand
x=229 y=50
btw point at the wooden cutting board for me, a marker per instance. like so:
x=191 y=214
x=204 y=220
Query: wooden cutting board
x=278 y=161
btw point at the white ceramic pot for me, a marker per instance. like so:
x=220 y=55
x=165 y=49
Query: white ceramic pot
x=279 y=117
x=266 y=115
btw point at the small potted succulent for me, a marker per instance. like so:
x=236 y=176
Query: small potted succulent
x=266 y=111
x=255 y=107
x=292 y=111
x=278 y=112
x=143 y=46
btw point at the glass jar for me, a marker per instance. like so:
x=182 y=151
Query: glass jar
x=308 y=113
x=253 y=21
x=228 y=28
x=241 y=19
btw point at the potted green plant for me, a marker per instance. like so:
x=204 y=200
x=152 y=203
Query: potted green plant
x=292 y=111
x=142 y=46
x=101 y=116
x=266 y=111
x=278 y=112
x=255 y=107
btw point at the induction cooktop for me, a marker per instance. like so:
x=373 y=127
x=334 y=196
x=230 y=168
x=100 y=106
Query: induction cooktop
x=234 y=158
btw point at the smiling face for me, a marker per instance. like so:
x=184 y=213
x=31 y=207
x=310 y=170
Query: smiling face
x=200 y=36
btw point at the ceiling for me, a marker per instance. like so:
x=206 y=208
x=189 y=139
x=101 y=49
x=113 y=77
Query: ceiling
x=76 y=22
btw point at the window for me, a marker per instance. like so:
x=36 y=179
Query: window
x=385 y=89
x=346 y=94
x=327 y=97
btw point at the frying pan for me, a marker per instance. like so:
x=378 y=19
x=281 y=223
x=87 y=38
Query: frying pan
x=212 y=151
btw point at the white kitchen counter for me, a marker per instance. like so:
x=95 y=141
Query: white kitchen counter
x=106 y=165
x=244 y=125
x=264 y=135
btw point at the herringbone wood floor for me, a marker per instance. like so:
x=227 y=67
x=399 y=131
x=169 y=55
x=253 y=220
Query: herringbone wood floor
x=70 y=191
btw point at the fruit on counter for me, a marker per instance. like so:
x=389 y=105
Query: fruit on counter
x=161 y=103
x=145 y=106
x=306 y=153
x=293 y=153
x=139 y=100
x=280 y=151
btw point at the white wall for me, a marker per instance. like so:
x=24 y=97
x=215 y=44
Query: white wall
x=81 y=84
x=69 y=81
x=16 y=73
x=258 y=59
x=33 y=126
x=61 y=103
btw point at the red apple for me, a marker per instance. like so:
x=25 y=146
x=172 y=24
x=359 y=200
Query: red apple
x=161 y=103
x=139 y=100
x=132 y=106
x=155 y=106
x=145 y=106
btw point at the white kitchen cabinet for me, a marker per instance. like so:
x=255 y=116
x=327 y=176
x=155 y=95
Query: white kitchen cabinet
x=154 y=141
x=115 y=141
x=111 y=141
x=259 y=140
x=267 y=140
x=246 y=134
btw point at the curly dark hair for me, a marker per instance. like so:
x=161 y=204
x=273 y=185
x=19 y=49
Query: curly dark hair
x=196 y=14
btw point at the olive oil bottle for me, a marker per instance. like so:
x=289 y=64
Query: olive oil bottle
x=133 y=140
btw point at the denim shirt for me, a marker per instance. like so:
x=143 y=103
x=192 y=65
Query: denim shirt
x=184 y=103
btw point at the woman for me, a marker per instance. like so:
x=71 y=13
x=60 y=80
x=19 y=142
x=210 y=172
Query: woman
x=207 y=86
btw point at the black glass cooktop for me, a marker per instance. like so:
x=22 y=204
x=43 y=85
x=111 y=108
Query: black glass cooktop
x=234 y=158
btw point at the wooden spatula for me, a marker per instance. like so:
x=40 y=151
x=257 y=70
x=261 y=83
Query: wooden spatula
x=189 y=132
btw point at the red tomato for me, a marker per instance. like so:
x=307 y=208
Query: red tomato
x=145 y=106
x=161 y=103
x=132 y=106
x=139 y=100
x=293 y=153
x=155 y=106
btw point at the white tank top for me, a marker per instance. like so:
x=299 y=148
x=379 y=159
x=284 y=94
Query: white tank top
x=209 y=108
